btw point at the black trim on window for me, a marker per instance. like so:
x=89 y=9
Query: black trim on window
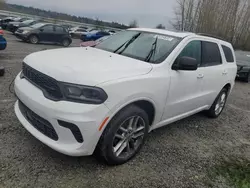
x=210 y=56
x=228 y=54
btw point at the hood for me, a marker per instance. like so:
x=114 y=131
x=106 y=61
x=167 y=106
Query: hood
x=86 y=66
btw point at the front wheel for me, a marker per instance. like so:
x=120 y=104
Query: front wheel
x=33 y=39
x=219 y=104
x=124 y=136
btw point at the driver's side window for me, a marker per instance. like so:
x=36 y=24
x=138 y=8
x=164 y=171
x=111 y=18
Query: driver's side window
x=193 y=50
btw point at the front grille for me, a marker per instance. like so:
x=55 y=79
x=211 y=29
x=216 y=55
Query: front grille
x=48 y=85
x=38 y=122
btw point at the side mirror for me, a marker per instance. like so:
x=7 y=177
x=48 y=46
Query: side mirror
x=41 y=30
x=185 y=63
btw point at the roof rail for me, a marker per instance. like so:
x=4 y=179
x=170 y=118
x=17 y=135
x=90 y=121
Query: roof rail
x=210 y=35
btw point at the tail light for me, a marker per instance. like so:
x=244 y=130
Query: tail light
x=1 y=32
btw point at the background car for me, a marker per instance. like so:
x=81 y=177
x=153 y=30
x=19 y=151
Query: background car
x=3 y=42
x=243 y=64
x=13 y=26
x=5 y=21
x=94 y=36
x=1 y=31
x=77 y=32
x=9 y=26
x=43 y=32
x=112 y=32
x=93 y=43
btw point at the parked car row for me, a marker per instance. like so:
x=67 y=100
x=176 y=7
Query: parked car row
x=35 y=31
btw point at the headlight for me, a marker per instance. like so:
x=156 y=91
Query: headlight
x=25 y=32
x=83 y=94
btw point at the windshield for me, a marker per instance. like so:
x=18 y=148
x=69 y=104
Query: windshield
x=149 y=47
x=38 y=25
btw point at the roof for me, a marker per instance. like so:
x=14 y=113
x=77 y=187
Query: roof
x=165 y=32
x=181 y=34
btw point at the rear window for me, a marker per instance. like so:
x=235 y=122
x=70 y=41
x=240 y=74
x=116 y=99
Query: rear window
x=210 y=54
x=228 y=53
x=60 y=29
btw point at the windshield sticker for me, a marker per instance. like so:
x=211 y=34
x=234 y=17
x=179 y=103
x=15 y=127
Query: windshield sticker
x=164 y=37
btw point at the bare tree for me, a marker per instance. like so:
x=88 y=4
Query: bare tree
x=2 y=4
x=133 y=24
x=229 y=19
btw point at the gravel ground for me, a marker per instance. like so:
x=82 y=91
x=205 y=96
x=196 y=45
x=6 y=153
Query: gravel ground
x=178 y=155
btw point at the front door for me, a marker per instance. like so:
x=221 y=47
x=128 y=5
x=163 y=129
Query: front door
x=185 y=93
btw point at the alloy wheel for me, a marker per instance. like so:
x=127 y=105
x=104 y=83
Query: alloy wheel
x=129 y=137
x=220 y=103
x=34 y=40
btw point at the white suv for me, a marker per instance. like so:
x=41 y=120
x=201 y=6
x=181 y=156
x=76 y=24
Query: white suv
x=107 y=99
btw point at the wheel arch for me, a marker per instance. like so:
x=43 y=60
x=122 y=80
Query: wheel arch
x=146 y=104
x=228 y=87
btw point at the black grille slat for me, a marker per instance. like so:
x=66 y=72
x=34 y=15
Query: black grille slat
x=38 y=122
x=47 y=84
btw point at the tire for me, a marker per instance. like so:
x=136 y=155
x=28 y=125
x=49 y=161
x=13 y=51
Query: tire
x=66 y=42
x=33 y=39
x=214 y=112
x=2 y=71
x=118 y=134
x=247 y=79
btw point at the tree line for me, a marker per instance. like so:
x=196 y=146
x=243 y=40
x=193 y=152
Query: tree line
x=56 y=15
x=227 y=19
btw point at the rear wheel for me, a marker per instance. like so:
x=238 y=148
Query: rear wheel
x=219 y=104
x=247 y=79
x=124 y=136
x=33 y=39
x=65 y=42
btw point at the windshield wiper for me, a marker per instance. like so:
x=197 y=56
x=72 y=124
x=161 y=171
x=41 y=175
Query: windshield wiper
x=152 y=51
x=127 y=43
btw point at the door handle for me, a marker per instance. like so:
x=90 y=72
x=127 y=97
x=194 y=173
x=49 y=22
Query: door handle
x=200 y=76
x=224 y=72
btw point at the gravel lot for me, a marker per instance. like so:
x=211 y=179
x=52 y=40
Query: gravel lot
x=178 y=155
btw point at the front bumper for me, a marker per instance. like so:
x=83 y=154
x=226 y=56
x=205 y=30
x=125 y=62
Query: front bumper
x=21 y=36
x=86 y=117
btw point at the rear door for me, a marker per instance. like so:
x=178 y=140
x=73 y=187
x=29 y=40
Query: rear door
x=213 y=70
x=60 y=33
x=46 y=33
x=230 y=65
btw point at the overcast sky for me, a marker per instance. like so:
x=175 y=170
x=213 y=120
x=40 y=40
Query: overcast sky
x=148 y=13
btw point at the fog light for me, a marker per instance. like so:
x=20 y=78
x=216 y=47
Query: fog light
x=74 y=129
